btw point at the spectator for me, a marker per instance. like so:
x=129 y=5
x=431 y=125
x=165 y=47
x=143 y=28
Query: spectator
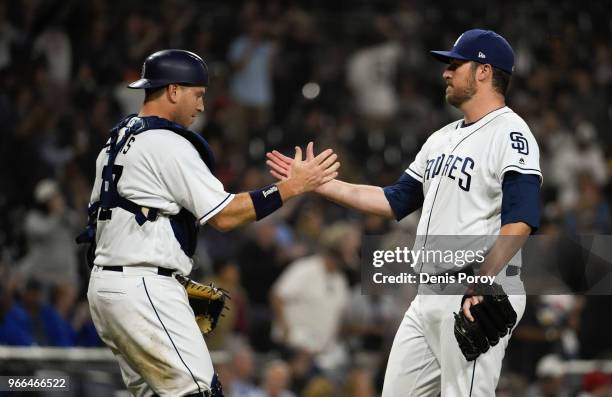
x=550 y=372
x=314 y=282
x=372 y=73
x=54 y=45
x=303 y=370
x=596 y=384
x=319 y=387
x=251 y=85
x=8 y=36
x=359 y=384
x=243 y=366
x=576 y=155
x=591 y=213
x=50 y=229
x=37 y=323
x=276 y=380
x=13 y=322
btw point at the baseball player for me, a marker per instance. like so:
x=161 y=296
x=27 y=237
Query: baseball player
x=476 y=176
x=154 y=184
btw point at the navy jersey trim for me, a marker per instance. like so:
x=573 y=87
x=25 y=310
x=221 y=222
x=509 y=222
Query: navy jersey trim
x=463 y=124
x=217 y=206
x=478 y=129
x=169 y=337
x=415 y=173
x=521 y=168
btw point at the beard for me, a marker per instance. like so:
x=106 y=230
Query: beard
x=461 y=95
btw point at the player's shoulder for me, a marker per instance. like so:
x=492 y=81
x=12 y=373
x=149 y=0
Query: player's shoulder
x=510 y=121
x=165 y=141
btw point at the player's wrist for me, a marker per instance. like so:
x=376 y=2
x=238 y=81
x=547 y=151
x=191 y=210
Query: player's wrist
x=266 y=200
x=325 y=189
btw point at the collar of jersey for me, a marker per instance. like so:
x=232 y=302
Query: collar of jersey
x=484 y=119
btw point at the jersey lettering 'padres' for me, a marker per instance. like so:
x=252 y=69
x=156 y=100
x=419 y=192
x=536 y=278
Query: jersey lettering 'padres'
x=462 y=171
x=159 y=169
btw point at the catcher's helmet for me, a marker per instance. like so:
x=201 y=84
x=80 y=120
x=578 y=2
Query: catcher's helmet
x=172 y=67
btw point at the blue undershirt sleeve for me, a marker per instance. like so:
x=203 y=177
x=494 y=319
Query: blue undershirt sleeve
x=405 y=196
x=521 y=199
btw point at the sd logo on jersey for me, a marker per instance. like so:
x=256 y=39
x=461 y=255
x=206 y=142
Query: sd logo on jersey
x=519 y=142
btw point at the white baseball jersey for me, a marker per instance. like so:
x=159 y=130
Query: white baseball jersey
x=462 y=170
x=157 y=169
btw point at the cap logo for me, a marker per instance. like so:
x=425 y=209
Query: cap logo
x=481 y=55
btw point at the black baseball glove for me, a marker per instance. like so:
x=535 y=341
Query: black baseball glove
x=207 y=302
x=494 y=318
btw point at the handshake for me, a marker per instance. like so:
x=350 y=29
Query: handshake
x=304 y=175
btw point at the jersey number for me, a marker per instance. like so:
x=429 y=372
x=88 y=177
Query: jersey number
x=519 y=142
x=128 y=145
x=106 y=213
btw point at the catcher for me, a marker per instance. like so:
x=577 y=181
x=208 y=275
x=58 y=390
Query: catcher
x=154 y=186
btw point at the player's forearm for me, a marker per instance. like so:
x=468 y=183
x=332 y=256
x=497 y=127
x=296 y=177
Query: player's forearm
x=238 y=212
x=241 y=210
x=511 y=238
x=364 y=198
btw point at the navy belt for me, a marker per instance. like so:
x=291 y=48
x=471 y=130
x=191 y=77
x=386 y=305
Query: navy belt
x=162 y=271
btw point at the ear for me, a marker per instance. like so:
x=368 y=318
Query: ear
x=172 y=93
x=484 y=72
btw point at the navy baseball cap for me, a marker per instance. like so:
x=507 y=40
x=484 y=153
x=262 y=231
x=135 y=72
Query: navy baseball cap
x=482 y=46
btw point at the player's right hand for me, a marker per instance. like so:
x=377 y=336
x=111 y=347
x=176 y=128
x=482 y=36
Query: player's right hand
x=308 y=174
x=281 y=165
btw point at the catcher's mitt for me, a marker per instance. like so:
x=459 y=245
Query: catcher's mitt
x=494 y=318
x=207 y=302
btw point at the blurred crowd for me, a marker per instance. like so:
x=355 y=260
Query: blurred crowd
x=354 y=76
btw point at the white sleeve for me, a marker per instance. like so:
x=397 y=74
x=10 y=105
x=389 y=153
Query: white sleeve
x=100 y=161
x=416 y=169
x=517 y=151
x=191 y=183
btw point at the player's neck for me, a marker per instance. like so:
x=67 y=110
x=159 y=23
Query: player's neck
x=154 y=109
x=481 y=105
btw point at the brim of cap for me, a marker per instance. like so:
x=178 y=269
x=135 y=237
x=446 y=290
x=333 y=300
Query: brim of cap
x=447 y=56
x=146 y=83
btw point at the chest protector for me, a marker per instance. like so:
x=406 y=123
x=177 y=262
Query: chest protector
x=184 y=224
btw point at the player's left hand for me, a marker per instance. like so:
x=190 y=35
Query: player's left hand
x=207 y=302
x=468 y=302
x=486 y=315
